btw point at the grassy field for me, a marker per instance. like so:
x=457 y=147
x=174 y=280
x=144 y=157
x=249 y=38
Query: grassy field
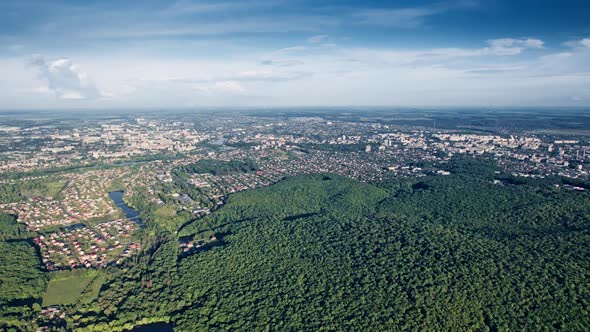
x=68 y=287
x=165 y=212
x=92 y=290
x=54 y=188
x=46 y=189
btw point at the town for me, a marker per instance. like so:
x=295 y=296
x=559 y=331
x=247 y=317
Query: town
x=73 y=168
x=82 y=246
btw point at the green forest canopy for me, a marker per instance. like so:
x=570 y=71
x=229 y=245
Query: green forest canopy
x=323 y=252
x=326 y=252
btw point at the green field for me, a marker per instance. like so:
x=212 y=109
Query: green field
x=165 y=212
x=22 y=190
x=54 y=188
x=91 y=292
x=68 y=287
x=46 y=189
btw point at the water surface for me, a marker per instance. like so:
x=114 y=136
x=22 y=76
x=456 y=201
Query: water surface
x=130 y=213
x=155 y=327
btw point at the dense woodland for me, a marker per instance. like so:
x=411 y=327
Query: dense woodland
x=21 y=284
x=323 y=252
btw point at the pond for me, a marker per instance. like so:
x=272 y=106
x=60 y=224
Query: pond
x=155 y=327
x=130 y=213
x=221 y=143
x=75 y=226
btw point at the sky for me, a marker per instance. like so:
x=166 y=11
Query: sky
x=66 y=54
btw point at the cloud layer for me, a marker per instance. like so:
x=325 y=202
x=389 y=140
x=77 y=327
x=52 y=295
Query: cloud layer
x=273 y=52
x=497 y=73
x=64 y=78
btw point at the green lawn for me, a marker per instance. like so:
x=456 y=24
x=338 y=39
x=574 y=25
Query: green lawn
x=67 y=287
x=91 y=292
x=43 y=188
x=54 y=188
x=165 y=212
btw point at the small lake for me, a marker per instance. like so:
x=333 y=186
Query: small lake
x=221 y=143
x=130 y=213
x=155 y=327
x=75 y=226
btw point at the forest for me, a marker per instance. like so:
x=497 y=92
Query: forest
x=324 y=252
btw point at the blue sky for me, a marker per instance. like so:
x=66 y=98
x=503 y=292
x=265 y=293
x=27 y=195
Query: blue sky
x=134 y=54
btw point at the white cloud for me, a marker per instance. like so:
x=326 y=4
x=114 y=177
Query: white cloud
x=41 y=89
x=281 y=62
x=533 y=43
x=183 y=7
x=401 y=18
x=441 y=56
x=64 y=78
x=317 y=39
x=72 y=95
x=409 y=17
x=488 y=74
x=147 y=28
x=512 y=46
x=581 y=43
x=220 y=87
x=237 y=77
x=269 y=76
x=291 y=49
